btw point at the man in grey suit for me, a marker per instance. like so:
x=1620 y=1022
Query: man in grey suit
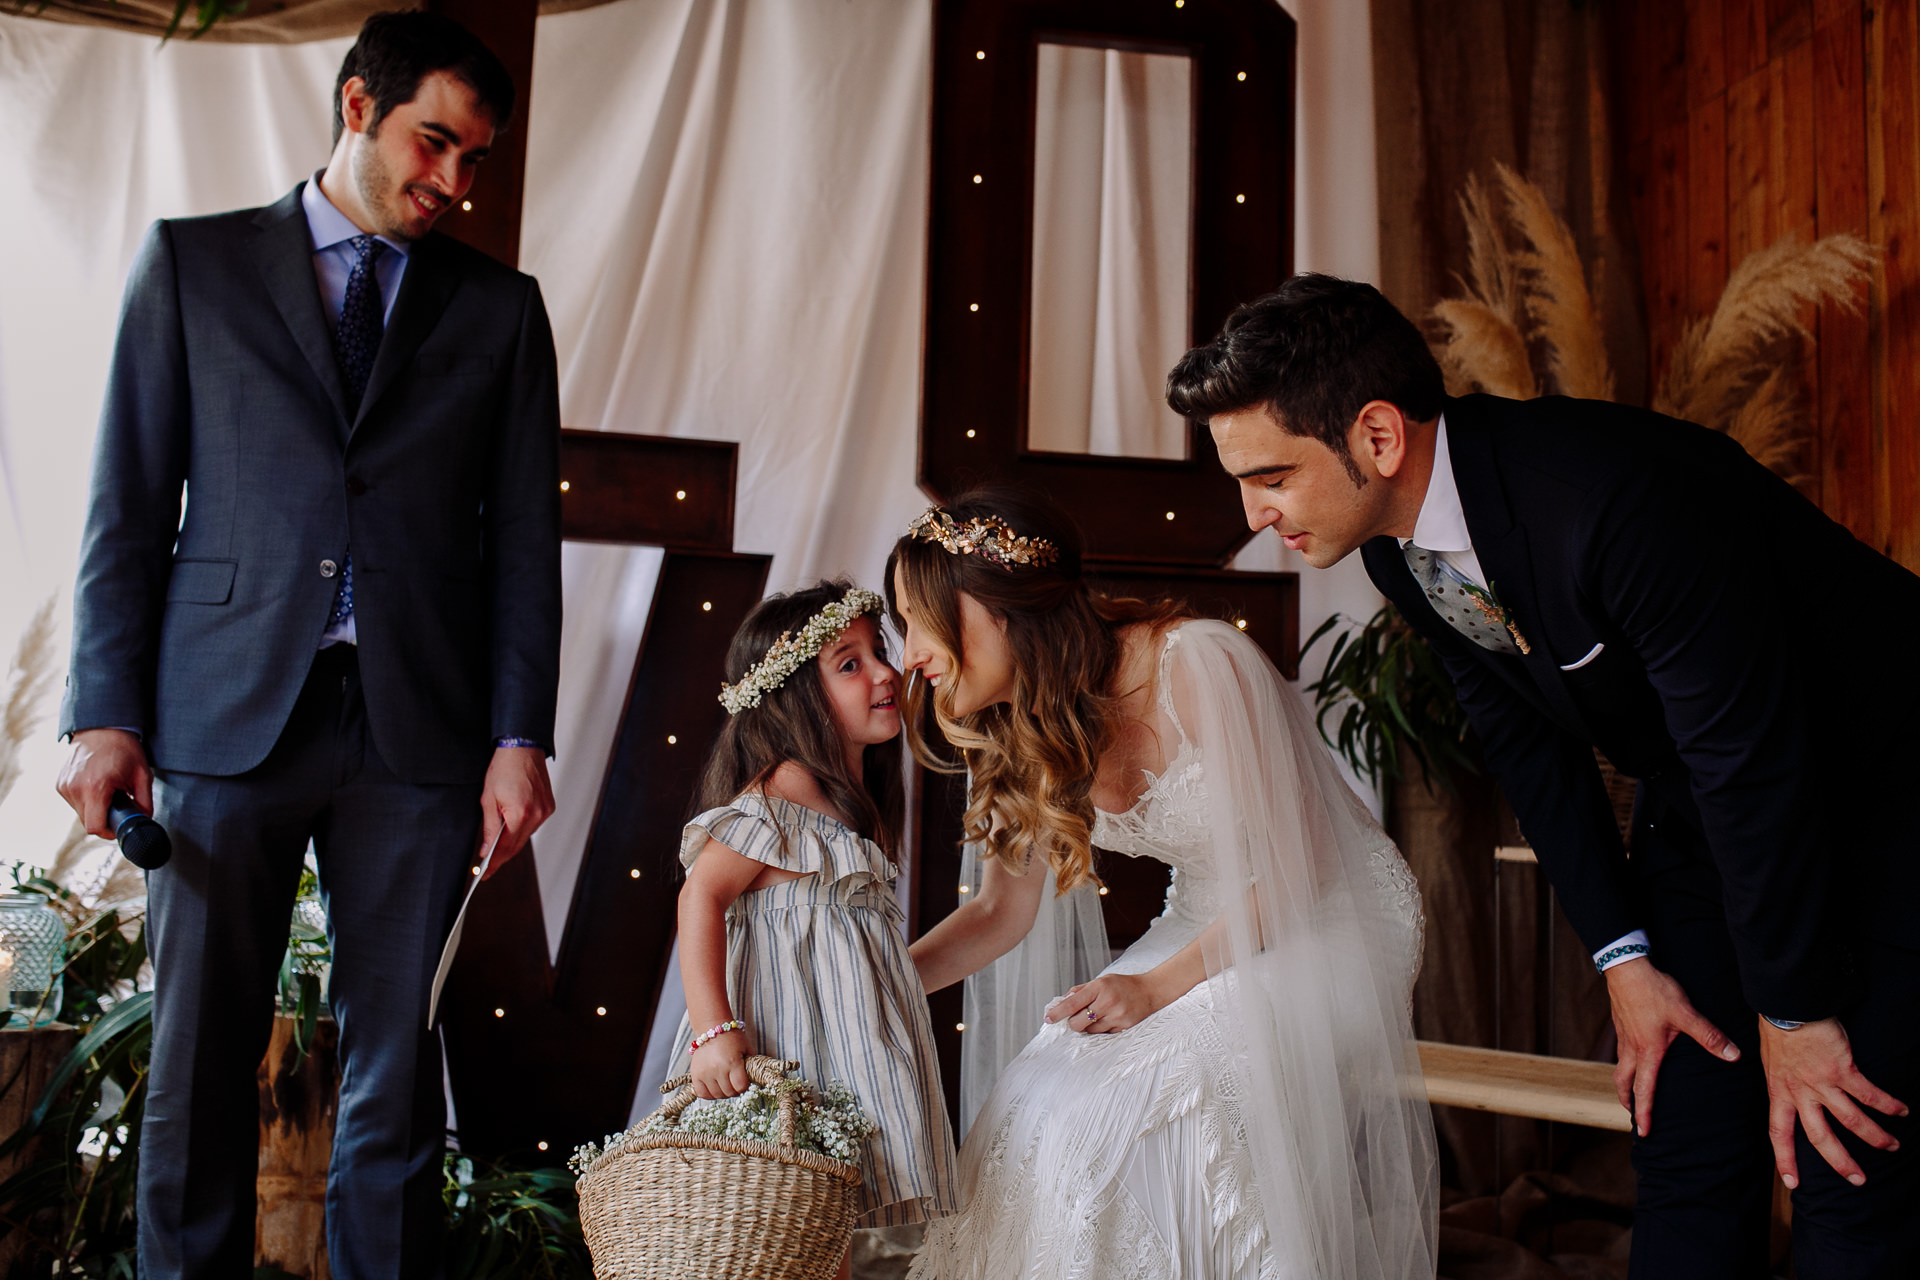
x=351 y=637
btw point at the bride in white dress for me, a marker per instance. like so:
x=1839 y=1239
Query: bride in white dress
x=1238 y=1095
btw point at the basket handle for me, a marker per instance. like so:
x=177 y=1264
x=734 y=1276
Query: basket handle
x=762 y=1070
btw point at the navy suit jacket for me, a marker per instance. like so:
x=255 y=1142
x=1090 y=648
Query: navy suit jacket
x=228 y=469
x=1741 y=628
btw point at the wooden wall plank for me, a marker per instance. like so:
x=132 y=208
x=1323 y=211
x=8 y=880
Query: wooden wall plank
x=1750 y=209
x=1789 y=25
x=1667 y=69
x=1899 y=232
x=1745 y=33
x=1706 y=249
x=1792 y=181
x=1664 y=241
x=1844 y=392
x=1706 y=50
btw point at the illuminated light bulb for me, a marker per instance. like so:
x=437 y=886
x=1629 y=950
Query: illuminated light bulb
x=966 y=889
x=1103 y=891
x=1179 y=4
x=1243 y=75
x=980 y=55
x=978 y=179
x=499 y=1013
x=1169 y=515
x=974 y=306
x=1239 y=199
x=476 y=871
x=706 y=606
x=1240 y=623
x=634 y=874
x=969 y=433
x=672 y=740
x=959 y=1026
x=602 y=1012
x=542 y=1146
x=466 y=206
x=680 y=495
x=564 y=486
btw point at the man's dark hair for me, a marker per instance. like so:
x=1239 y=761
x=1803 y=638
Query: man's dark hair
x=396 y=51
x=1312 y=352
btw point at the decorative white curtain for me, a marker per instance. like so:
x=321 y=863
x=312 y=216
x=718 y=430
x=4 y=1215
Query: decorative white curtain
x=1112 y=214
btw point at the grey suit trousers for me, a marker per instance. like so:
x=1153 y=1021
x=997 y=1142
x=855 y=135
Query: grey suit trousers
x=393 y=860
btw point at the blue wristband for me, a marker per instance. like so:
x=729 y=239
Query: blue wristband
x=1625 y=951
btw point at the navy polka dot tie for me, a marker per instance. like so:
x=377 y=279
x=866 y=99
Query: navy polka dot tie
x=355 y=344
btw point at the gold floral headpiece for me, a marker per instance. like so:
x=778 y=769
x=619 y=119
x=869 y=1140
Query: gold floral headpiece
x=989 y=537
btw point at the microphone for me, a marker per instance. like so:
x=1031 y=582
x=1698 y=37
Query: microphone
x=143 y=842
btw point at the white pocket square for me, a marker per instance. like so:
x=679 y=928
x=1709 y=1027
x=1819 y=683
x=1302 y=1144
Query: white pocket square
x=1592 y=653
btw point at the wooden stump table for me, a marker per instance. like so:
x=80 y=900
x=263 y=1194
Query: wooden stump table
x=297 y=1110
x=28 y=1059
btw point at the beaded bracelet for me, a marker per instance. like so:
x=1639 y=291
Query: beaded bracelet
x=732 y=1024
x=1626 y=951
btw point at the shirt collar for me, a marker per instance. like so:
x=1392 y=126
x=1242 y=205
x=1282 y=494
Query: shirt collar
x=328 y=226
x=1441 y=524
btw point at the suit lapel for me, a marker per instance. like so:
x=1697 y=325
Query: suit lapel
x=1506 y=557
x=283 y=251
x=424 y=291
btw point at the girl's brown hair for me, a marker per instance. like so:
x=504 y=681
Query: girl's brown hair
x=796 y=722
x=1033 y=760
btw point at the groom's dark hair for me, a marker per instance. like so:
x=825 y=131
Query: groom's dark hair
x=1312 y=352
x=396 y=51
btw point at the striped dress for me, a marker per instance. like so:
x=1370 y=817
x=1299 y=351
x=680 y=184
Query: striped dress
x=818 y=970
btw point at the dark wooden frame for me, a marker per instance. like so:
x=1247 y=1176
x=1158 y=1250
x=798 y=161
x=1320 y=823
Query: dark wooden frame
x=555 y=1070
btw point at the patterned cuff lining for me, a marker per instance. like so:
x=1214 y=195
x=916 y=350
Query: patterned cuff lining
x=1618 y=955
x=514 y=742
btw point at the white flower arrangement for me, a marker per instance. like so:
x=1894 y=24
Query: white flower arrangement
x=828 y=1122
x=784 y=656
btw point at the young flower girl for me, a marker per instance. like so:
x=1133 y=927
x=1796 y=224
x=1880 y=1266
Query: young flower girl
x=791 y=939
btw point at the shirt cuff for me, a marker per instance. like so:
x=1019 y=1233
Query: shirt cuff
x=1631 y=947
x=514 y=742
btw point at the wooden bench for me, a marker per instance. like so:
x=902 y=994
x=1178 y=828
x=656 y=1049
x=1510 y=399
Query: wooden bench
x=1523 y=1084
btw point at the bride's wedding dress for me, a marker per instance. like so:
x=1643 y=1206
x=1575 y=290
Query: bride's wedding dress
x=1269 y=1123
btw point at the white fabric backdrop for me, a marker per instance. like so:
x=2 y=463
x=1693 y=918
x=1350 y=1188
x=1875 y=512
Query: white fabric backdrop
x=726 y=209
x=1112 y=203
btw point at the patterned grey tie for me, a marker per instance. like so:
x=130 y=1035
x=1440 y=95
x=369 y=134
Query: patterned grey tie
x=1467 y=609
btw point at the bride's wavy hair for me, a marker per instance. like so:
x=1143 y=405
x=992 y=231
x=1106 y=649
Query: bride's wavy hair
x=1032 y=759
x=796 y=722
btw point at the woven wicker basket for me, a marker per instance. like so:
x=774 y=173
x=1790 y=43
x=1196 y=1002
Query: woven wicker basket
x=687 y=1206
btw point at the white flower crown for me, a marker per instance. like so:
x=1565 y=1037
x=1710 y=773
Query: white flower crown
x=785 y=655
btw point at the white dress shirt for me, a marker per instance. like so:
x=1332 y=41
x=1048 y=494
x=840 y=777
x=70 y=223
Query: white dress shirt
x=1441 y=528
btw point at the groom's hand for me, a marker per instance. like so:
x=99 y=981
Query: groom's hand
x=1810 y=1072
x=1650 y=1012
x=516 y=799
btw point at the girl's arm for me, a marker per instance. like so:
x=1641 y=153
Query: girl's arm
x=981 y=931
x=718 y=876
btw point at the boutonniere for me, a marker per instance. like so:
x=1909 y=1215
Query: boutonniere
x=1489 y=604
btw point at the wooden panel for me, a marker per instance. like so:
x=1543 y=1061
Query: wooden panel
x=1845 y=406
x=660 y=490
x=1705 y=253
x=1523 y=1084
x=1745 y=33
x=1706 y=51
x=1898 y=229
x=1269 y=603
x=1663 y=235
x=551 y=1055
x=1751 y=206
x=974 y=390
x=1789 y=25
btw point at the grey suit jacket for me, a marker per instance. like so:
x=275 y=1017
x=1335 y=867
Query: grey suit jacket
x=224 y=396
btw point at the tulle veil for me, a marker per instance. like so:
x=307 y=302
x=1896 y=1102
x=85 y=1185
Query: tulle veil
x=1311 y=975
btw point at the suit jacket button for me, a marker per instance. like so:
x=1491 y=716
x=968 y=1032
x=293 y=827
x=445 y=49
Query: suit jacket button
x=328 y=568
x=356 y=486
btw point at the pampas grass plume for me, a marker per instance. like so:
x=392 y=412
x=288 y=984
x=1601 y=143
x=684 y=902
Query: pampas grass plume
x=28 y=680
x=1556 y=291
x=1482 y=348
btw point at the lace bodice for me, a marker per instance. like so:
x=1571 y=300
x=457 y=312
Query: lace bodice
x=1170 y=822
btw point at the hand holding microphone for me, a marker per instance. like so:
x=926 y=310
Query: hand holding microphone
x=109 y=784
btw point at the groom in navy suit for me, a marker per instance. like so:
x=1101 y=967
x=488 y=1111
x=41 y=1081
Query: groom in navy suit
x=1594 y=576
x=319 y=600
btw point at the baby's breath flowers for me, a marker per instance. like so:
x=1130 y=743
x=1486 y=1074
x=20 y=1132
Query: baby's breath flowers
x=829 y=1122
x=785 y=655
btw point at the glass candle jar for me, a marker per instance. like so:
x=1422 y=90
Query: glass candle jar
x=32 y=938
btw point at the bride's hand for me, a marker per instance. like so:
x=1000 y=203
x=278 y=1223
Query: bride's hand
x=1111 y=1003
